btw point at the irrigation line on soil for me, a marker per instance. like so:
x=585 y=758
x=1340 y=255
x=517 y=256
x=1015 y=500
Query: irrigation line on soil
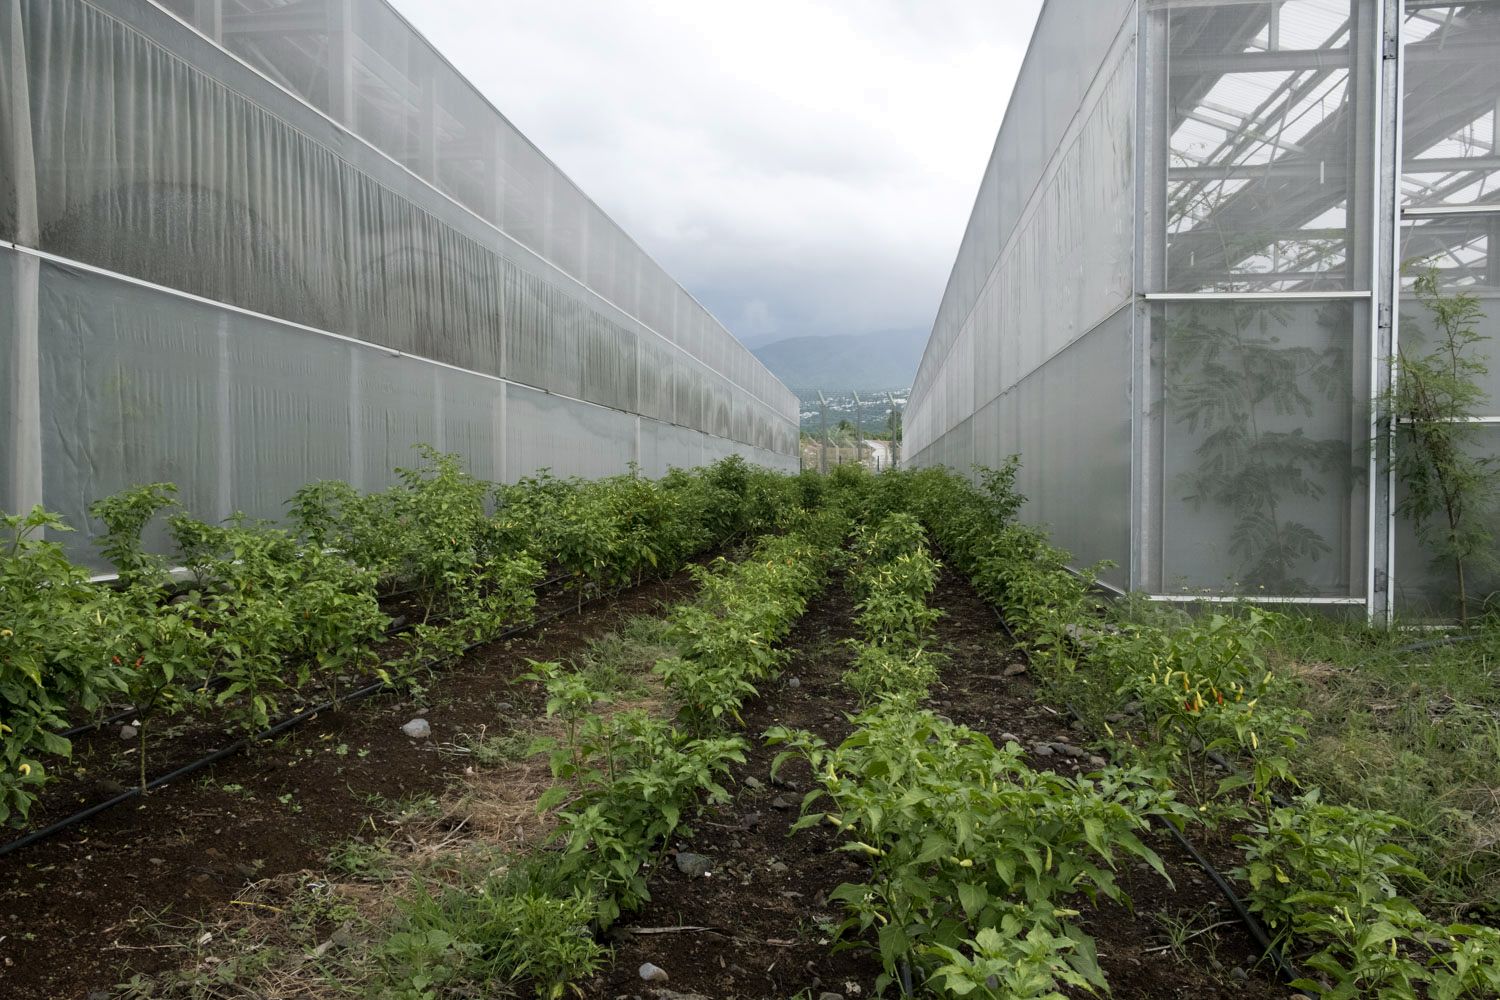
x=399 y=625
x=379 y=687
x=1252 y=924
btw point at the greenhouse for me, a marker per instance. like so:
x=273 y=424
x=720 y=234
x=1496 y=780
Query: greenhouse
x=1193 y=250
x=245 y=245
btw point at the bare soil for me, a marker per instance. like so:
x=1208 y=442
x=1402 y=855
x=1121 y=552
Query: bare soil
x=83 y=911
x=764 y=909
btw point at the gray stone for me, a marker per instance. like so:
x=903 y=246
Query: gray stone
x=779 y=868
x=1068 y=750
x=830 y=996
x=754 y=784
x=129 y=732
x=417 y=729
x=693 y=865
x=1239 y=973
x=781 y=802
x=1097 y=761
x=653 y=973
x=1013 y=670
x=1009 y=738
x=793 y=683
x=751 y=821
x=1042 y=750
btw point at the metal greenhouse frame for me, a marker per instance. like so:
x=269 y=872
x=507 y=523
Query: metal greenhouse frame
x=1184 y=277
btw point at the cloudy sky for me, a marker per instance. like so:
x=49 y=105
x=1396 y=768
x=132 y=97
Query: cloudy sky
x=801 y=166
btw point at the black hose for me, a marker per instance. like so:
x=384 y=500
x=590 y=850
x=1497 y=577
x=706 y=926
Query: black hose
x=1447 y=640
x=1284 y=968
x=365 y=692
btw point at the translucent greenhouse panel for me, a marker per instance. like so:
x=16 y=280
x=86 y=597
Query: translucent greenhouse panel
x=1426 y=584
x=566 y=436
x=1452 y=99
x=609 y=359
x=1418 y=331
x=1262 y=112
x=666 y=446
x=1460 y=246
x=1263 y=429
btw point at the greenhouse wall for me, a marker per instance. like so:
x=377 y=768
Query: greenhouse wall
x=1190 y=256
x=247 y=244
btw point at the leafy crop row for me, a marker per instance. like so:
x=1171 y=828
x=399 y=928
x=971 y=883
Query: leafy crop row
x=627 y=782
x=270 y=614
x=1326 y=878
x=973 y=856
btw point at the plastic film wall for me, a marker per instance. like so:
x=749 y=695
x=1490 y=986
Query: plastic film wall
x=310 y=169
x=1034 y=301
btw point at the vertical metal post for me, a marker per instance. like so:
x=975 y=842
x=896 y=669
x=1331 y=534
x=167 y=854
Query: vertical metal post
x=224 y=482
x=859 y=431
x=1385 y=309
x=340 y=27
x=357 y=419
x=26 y=421
x=823 y=418
x=208 y=17
x=25 y=437
x=1149 y=275
x=896 y=431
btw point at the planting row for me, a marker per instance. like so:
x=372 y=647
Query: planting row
x=973 y=856
x=629 y=774
x=1169 y=695
x=243 y=616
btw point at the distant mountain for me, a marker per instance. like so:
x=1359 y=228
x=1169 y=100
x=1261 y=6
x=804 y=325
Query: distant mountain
x=861 y=361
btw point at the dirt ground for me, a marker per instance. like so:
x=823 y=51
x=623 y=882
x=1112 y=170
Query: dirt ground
x=82 y=911
x=763 y=910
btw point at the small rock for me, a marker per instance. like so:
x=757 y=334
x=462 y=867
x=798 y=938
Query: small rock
x=781 y=802
x=1239 y=973
x=1042 y=750
x=505 y=706
x=1115 y=717
x=779 y=868
x=417 y=729
x=754 y=784
x=98 y=995
x=129 y=732
x=830 y=996
x=793 y=683
x=751 y=821
x=1013 y=670
x=693 y=865
x=1132 y=708
x=1097 y=761
x=653 y=973
x=1068 y=750
x=1009 y=738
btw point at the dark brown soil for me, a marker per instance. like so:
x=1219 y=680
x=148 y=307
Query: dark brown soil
x=765 y=901
x=77 y=911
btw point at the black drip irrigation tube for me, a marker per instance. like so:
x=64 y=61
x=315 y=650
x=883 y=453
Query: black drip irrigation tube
x=1257 y=931
x=369 y=691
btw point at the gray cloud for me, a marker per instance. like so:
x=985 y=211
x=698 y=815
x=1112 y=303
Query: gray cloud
x=801 y=167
